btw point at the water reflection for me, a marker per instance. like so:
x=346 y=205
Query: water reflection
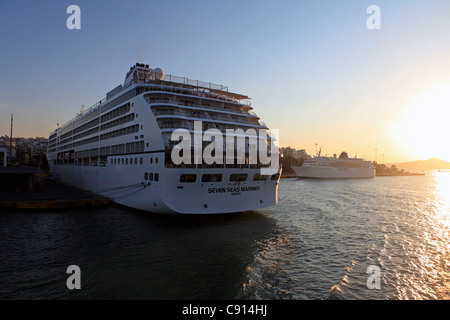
x=270 y=275
x=438 y=267
x=315 y=244
x=128 y=255
x=442 y=196
x=337 y=229
x=415 y=255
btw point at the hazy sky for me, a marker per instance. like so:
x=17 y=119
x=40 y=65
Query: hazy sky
x=313 y=68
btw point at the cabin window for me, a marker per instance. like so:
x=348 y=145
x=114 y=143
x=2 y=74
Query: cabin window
x=211 y=178
x=146 y=176
x=260 y=177
x=156 y=177
x=188 y=177
x=238 y=177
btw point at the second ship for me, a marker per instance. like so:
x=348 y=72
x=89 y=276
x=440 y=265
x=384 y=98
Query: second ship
x=321 y=167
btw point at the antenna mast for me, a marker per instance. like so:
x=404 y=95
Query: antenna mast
x=10 y=139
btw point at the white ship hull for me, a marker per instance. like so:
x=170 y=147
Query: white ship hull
x=127 y=187
x=329 y=172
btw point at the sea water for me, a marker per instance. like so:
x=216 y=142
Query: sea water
x=381 y=238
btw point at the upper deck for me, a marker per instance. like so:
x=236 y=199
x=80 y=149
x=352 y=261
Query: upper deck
x=143 y=75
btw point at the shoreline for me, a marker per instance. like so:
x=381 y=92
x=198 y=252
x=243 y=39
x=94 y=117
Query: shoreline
x=290 y=176
x=398 y=174
x=50 y=195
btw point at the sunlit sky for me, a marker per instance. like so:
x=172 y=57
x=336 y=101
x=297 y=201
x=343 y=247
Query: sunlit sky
x=313 y=68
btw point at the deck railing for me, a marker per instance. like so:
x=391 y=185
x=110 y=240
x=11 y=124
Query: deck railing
x=167 y=78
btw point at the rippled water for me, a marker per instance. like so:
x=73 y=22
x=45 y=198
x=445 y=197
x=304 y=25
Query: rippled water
x=317 y=243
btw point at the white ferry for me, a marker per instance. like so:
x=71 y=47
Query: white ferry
x=335 y=168
x=121 y=147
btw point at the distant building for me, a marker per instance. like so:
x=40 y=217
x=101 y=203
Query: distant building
x=301 y=154
x=38 y=147
x=296 y=154
x=24 y=147
x=3 y=157
x=5 y=143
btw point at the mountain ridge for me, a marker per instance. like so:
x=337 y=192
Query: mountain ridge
x=430 y=164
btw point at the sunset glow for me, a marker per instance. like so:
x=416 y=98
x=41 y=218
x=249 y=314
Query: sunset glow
x=314 y=70
x=424 y=129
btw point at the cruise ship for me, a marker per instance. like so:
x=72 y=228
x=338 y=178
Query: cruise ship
x=321 y=167
x=122 y=147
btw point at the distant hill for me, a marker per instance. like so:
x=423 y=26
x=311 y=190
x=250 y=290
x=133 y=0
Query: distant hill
x=423 y=164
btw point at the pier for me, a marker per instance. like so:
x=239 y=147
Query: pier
x=26 y=189
x=17 y=179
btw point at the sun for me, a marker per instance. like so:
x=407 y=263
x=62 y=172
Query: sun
x=423 y=130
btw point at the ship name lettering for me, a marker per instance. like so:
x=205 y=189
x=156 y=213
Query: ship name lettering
x=233 y=189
